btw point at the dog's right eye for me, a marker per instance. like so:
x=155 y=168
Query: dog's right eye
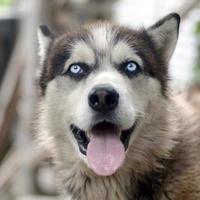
x=75 y=69
x=78 y=70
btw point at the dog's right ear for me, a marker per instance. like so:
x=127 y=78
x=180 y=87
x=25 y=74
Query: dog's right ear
x=44 y=39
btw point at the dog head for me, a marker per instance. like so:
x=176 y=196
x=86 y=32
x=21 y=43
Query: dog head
x=98 y=82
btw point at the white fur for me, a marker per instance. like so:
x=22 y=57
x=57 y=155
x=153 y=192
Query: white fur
x=122 y=51
x=43 y=42
x=102 y=36
x=81 y=52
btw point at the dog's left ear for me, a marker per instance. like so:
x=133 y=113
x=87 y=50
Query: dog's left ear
x=164 y=34
x=45 y=37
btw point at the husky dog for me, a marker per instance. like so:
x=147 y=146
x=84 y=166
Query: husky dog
x=108 y=119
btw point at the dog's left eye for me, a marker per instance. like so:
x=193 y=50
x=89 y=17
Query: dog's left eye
x=77 y=70
x=130 y=68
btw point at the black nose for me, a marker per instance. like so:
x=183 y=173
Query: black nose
x=103 y=99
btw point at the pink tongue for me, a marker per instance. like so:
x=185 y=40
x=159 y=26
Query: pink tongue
x=105 y=152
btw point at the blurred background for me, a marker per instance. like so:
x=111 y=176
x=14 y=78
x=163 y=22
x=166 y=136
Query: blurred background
x=26 y=173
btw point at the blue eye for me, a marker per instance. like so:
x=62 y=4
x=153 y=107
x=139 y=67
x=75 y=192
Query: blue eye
x=130 y=68
x=78 y=70
x=75 y=69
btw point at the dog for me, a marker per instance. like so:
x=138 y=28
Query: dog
x=107 y=116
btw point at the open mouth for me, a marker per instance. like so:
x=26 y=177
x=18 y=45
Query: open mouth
x=104 y=145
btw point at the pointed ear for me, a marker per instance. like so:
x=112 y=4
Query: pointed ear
x=44 y=39
x=165 y=34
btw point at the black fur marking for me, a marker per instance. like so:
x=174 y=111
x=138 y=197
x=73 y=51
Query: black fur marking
x=58 y=62
x=149 y=187
x=45 y=31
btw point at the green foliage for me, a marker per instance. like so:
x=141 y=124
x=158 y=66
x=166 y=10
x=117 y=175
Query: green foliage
x=198 y=28
x=6 y=2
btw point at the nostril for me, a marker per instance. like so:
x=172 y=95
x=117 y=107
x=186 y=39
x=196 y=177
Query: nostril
x=111 y=99
x=94 y=100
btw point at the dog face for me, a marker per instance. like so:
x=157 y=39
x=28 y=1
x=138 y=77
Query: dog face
x=98 y=82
